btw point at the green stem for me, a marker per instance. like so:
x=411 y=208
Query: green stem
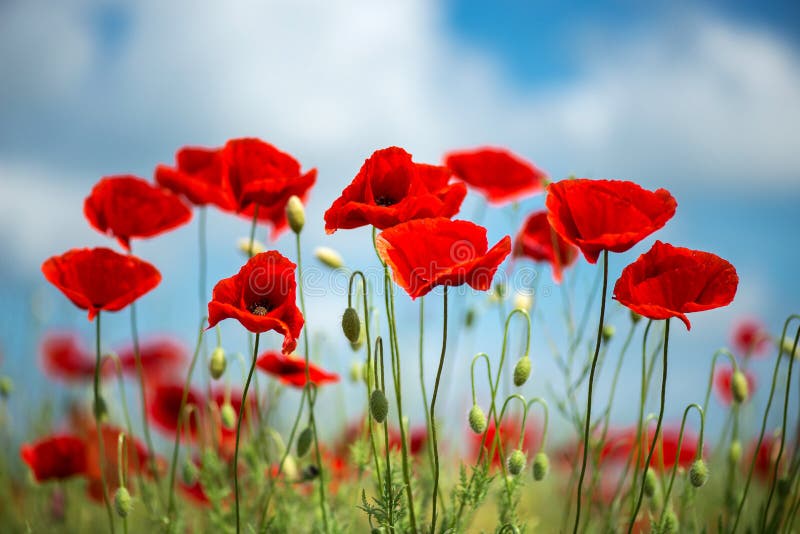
x=658 y=429
x=239 y=429
x=678 y=454
x=98 y=404
x=433 y=415
x=588 y=422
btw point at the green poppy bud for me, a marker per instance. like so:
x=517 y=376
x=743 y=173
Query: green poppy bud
x=469 y=318
x=351 y=325
x=123 y=502
x=516 y=462
x=698 y=473
x=523 y=301
x=228 y=415
x=608 y=332
x=669 y=525
x=295 y=214
x=100 y=409
x=304 y=441
x=189 y=472
x=217 y=363
x=6 y=387
x=739 y=386
x=541 y=466
x=735 y=452
x=378 y=406
x=635 y=317
x=329 y=257
x=650 y=482
x=477 y=419
x=244 y=245
x=357 y=373
x=522 y=371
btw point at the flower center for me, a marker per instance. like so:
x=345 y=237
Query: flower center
x=260 y=309
x=385 y=201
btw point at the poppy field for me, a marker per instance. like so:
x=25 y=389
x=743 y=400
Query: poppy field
x=168 y=438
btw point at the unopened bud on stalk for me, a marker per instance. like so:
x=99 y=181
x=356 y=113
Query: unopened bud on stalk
x=228 y=415
x=635 y=317
x=499 y=292
x=477 y=419
x=608 y=332
x=788 y=345
x=469 y=318
x=698 y=473
x=357 y=373
x=244 y=246
x=123 y=502
x=523 y=301
x=217 y=363
x=735 y=452
x=516 y=462
x=295 y=214
x=522 y=371
x=100 y=409
x=541 y=466
x=378 y=406
x=650 y=482
x=669 y=525
x=304 y=441
x=351 y=325
x=6 y=387
x=739 y=386
x=329 y=257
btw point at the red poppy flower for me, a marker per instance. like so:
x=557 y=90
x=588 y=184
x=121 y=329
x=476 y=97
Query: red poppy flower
x=291 y=370
x=498 y=174
x=161 y=358
x=750 y=338
x=126 y=207
x=668 y=445
x=766 y=455
x=64 y=358
x=391 y=189
x=509 y=437
x=100 y=279
x=669 y=281
x=55 y=457
x=164 y=404
x=261 y=297
x=538 y=241
x=722 y=384
x=432 y=252
x=417 y=438
x=137 y=460
x=198 y=175
x=613 y=215
x=227 y=436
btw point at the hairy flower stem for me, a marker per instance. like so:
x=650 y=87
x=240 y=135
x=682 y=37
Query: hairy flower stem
x=433 y=415
x=658 y=429
x=98 y=408
x=239 y=430
x=588 y=421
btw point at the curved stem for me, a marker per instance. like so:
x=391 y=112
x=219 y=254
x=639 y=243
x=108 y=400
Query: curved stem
x=714 y=358
x=98 y=407
x=678 y=453
x=546 y=409
x=239 y=429
x=588 y=422
x=658 y=429
x=433 y=415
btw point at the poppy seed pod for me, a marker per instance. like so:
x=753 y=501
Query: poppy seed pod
x=329 y=257
x=739 y=387
x=650 y=483
x=351 y=325
x=295 y=214
x=608 y=332
x=541 y=466
x=228 y=415
x=516 y=462
x=669 y=525
x=123 y=502
x=378 y=406
x=217 y=363
x=189 y=473
x=6 y=387
x=735 y=452
x=698 y=473
x=304 y=441
x=477 y=419
x=522 y=371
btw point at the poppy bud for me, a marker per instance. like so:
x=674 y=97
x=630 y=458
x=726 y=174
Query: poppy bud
x=735 y=452
x=329 y=257
x=228 y=415
x=351 y=325
x=516 y=462
x=295 y=214
x=541 y=466
x=123 y=502
x=357 y=371
x=469 y=318
x=608 y=332
x=523 y=301
x=788 y=345
x=290 y=468
x=499 y=292
x=378 y=406
x=650 y=483
x=6 y=387
x=304 y=441
x=669 y=525
x=635 y=317
x=522 y=371
x=311 y=472
x=244 y=245
x=189 y=473
x=100 y=409
x=217 y=363
x=698 y=473
x=739 y=386
x=477 y=419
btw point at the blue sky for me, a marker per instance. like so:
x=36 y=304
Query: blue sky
x=703 y=99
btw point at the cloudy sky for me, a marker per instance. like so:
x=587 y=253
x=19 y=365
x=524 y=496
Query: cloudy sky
x=697 y=98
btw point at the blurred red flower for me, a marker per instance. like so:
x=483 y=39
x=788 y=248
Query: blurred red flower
x=509 y=437
x=766 y=455
x=198 y=175
x=100 y=279
x=162 y=358
x=227 y=436
x=669 y=281
x=125 y=207
x=291 y=370
x=498 y=174
x=391 y=189
x=163 y=409
x=64 y=358
x=136 y=458
x=722 y=384
x=750 y=338
x=417 y=438
x=426 y=253
x=261 y=296
x=538 y=241
x=612 y=215
x=55 y=457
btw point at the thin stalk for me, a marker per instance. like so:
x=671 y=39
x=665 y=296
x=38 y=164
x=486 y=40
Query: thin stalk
x=239 y=429
x=678 y=454
x=433 y=415
x=99 y=427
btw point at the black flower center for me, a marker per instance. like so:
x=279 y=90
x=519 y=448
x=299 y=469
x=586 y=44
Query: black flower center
x=385 y=201
x=260 y=308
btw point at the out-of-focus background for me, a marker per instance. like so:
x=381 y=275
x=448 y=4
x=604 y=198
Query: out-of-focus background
x=700 y=98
